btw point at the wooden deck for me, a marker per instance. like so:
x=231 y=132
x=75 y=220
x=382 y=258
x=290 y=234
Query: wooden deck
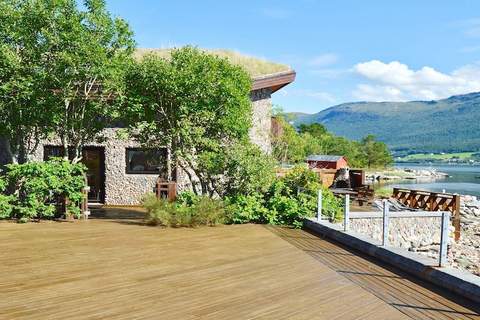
x=121 y=269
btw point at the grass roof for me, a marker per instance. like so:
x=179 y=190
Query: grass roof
x=254 y=66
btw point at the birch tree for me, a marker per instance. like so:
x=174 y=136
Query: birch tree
x=62 y=71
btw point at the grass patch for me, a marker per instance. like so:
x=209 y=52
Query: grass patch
x=384 y=192
x=440 y=157
x=254 y=66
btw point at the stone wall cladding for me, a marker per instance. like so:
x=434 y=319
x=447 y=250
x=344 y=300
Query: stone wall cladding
x=408 y=233
x=120 y=188
x=422 y=235
x=260 y=133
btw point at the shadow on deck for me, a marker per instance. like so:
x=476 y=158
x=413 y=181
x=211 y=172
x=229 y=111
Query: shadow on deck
x=413 y=297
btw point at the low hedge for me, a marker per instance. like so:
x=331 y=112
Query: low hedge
x=36 y=188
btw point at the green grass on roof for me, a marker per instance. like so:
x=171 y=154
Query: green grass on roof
x=254 y=66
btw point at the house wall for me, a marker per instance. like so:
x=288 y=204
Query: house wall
x=260 y=133
x=123 y=188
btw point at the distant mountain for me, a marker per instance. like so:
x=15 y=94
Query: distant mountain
x=447 y=125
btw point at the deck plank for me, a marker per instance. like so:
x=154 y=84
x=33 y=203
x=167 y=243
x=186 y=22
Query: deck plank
x=413 y=297
x=121 y=269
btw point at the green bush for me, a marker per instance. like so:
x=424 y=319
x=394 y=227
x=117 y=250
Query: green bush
x=208 y=212
x=188 y=211
x=38 y=186
x=287 y=201
x=6 y=206
x=246 y=208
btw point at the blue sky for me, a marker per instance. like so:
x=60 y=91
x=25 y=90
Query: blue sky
x=342 y=50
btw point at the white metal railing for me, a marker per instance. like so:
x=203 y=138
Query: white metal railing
x=385 y=215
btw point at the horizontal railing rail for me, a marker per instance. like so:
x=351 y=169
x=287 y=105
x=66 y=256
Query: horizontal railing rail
x=431 y=201
x=386 y=215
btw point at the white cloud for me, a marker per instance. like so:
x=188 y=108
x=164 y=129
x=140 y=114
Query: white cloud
x=324 y=60
x=396 y=81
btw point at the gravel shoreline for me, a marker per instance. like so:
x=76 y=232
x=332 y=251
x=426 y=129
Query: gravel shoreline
x=404 y=174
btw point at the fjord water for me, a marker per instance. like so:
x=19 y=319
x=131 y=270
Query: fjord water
x=463 y=179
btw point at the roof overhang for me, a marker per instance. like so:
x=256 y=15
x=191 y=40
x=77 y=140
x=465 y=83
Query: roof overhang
x=274 y=81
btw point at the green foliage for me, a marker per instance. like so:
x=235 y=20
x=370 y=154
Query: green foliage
x=60 y=68
x=38 y=185
x=447 y=125
x=189 y=210
x=294 y=147
x=253 y=65
x=287 y=201
x=241 y=169
x=376 y=153
x=246 y=208
x=6 y=206
x=317 y=130
x=196 y=104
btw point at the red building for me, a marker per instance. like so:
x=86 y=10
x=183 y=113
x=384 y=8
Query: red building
x=326 y=162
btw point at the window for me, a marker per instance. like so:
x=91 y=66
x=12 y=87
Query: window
x=146 y=161
x=52 y=151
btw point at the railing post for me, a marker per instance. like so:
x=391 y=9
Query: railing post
x=444 y=236
x=319 y=205
x=456 y=216
x=386 y=211
x=346 y=213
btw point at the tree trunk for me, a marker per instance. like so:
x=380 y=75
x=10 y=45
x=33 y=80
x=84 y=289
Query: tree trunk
x=6 y=155
x=169 y=162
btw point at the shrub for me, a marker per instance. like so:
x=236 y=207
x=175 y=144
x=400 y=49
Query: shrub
x=158 y=212
x=246 y=208
x=39 y=185
x=188 y=211
x=287 y=201
x=208 y=212
x=6 y=206
x=248 y=170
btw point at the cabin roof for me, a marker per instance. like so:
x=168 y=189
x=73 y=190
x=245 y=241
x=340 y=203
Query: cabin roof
x=321 y=157
x=264 y=73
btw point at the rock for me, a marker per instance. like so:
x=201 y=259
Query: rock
x=463 y=262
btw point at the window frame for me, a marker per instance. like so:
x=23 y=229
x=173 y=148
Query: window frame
x=127 y=165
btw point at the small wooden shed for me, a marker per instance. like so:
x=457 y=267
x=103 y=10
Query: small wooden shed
x=326 y=162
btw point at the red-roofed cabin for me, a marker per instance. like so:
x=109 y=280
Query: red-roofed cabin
x=326 y=162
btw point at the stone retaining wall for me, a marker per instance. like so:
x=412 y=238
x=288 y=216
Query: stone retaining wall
x=422 y=235
x=414 y=234
x=465 y=253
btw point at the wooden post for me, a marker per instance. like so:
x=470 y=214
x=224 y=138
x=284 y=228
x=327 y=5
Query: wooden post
x=412 y=199
x=386 y=211
x=456 y=216
x=319 y=205
x=346 y=213
x=166 y=190
x=433 y=198
x=84 y=205
x=66 y=203
x=444 y=236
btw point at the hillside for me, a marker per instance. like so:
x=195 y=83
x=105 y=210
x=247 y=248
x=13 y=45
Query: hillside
x=448 y=125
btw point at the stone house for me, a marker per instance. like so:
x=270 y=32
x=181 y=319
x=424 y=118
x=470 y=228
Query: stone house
x=120 y=172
